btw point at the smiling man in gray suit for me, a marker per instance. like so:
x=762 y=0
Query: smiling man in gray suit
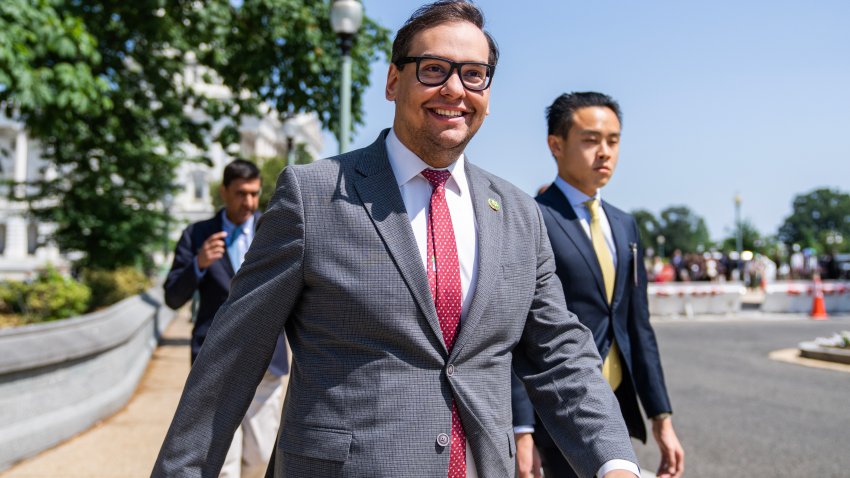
x=408 y=281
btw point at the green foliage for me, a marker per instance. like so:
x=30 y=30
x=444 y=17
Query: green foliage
x=46 y=60
x=50 y=296
x=680 y=227
x=819 y=219
x=269 y=171
x=285 y=53
x=100 y=85
x=648 y=227
x=109 y=287
x=751 y=240
x=683 y=229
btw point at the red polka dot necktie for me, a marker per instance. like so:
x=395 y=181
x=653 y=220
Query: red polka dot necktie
x=444 y=279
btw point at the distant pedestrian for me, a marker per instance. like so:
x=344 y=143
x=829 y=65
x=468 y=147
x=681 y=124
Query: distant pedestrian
x=206 y=259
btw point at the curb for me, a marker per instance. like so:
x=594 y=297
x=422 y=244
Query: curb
x=793 y=356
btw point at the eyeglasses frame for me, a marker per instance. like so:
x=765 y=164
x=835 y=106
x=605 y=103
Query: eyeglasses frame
x=454 y=66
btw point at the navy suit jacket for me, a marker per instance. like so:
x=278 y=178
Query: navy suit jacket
x=213 y=287
x=626 y=318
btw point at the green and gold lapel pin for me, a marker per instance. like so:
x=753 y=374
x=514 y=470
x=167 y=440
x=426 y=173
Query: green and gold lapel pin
x=494 y=205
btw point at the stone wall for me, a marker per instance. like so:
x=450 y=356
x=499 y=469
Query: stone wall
x=59 y=378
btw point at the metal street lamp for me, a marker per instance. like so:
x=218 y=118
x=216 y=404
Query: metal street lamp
x=289 y=132
x=346 y=17
x=167 y=202
x=739 y=234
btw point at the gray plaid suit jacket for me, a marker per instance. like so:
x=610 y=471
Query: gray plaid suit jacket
x=334 y=262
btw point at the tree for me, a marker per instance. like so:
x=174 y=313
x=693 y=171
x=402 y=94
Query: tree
x=648 y=227
x=751 y=240
x=100 y=85
x=819 y=219
x=683 y=229
x=283 y=52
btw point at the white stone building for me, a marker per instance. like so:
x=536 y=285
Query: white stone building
x=20 y=235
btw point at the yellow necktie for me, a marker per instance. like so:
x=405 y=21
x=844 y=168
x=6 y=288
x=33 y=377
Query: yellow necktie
x=611 y=366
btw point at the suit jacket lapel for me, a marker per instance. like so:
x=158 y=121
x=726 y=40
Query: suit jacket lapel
x=624 y=258
x=570 y=224
x=380 y=196
x=489 y=234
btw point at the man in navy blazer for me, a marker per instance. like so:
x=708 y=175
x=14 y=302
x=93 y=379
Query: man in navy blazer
x=584 y=136
x=206 y=259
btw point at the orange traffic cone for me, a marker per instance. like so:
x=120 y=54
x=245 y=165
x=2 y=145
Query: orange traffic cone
x=818 y=306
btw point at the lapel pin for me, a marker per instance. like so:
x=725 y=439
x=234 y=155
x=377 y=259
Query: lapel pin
x=494 y=205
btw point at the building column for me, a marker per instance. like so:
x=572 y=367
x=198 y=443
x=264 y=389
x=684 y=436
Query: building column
x=21 y=152
x=16 y=238
x=16 y=226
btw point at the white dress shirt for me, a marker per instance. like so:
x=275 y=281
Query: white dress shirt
x=577 y=200
x=244 y=239
x=416 y=194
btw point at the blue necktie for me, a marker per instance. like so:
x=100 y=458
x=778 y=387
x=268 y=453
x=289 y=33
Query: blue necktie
x=234 y=251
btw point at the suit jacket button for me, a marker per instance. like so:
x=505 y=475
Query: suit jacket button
x=450 y=370
x=443 y=439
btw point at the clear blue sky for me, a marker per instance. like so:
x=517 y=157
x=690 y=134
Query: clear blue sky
x=718 y=97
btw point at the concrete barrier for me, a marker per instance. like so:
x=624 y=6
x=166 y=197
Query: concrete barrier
x=796 y=297
x=59 y=378
x=694 y=298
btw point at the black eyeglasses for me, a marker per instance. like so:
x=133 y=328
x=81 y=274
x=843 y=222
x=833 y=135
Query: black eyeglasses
x=434 y=71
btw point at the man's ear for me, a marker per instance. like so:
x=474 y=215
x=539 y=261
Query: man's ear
x=556 y=144
x=392 y=82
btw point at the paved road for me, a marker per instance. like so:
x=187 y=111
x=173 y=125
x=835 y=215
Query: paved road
x=738 y=413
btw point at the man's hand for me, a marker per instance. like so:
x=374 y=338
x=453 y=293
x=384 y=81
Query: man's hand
x=619 y=474
x=672 y=455
x=527 y=457
x=211 y=250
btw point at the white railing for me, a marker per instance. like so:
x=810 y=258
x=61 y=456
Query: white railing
x=694 y=298
x=797 y=296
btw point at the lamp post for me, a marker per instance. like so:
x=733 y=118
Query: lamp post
x=661 y=240
x=346 y=17
x=167 y=202
x=289 y=131
x=739 y=234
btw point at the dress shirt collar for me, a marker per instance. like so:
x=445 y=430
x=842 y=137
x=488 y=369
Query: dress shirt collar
x=228 y=227
x=575 y=197
x=406 y=166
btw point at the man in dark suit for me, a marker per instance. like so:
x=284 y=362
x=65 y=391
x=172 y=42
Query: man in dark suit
x=206 y=259
x=599 y=260
x=395 y=271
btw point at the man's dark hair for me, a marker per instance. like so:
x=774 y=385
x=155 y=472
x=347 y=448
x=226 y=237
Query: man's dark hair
x=239 y=169
x=560 y=114
x=438 y=13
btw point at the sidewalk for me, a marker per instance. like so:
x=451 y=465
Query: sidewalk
x=126 y=444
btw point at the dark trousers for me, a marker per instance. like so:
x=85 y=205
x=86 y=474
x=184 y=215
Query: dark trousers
x=554 y=463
